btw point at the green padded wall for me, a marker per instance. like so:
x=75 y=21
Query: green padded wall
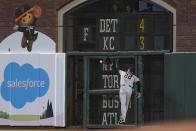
x=179 y=86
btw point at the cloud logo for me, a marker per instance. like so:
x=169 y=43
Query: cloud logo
x=23 y=84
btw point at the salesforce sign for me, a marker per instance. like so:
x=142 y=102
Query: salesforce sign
x=32 y=89
x=26 y=82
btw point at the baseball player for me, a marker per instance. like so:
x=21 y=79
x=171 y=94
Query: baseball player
x=127 y=80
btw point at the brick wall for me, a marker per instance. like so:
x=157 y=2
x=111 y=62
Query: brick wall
x=185 y=25
x=47 y=24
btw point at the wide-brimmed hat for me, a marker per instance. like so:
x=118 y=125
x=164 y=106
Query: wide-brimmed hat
x=22 y=11
x=25 y=9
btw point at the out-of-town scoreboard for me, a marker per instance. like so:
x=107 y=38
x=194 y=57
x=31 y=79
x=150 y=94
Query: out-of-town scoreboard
x=125 y=32
x=140 y=31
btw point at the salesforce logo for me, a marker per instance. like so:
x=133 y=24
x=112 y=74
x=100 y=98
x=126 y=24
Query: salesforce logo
x=23 y=84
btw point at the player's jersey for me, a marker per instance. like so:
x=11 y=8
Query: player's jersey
x=127 y=79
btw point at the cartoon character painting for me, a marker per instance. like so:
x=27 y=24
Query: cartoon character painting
x=26 y=18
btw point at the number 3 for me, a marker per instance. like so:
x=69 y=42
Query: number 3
x=141 y=42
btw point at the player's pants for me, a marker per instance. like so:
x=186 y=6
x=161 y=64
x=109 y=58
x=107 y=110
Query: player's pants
x=125 y=95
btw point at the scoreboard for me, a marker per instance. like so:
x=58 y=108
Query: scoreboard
x=141 y=31
x=104 y=104
x=124 y=32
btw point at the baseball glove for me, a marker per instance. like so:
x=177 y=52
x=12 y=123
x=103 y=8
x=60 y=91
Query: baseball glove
x=37 y=11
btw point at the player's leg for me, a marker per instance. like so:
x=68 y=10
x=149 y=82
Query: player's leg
x=24 y=41
x=128 y=96
x=123 y=105
x=29 y=46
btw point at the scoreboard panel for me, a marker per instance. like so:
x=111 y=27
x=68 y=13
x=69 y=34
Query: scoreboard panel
x=110 y=33
x=110 y=26
x=104 y=104
x=104 y=110
x=125 y=32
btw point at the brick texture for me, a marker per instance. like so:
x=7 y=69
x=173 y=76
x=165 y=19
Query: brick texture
x=185 y=24
x=47 y=24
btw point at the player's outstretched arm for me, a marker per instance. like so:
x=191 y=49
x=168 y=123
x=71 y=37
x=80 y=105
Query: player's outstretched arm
x=112 y=65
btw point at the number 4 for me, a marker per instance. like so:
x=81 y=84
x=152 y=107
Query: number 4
x=142 y=24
